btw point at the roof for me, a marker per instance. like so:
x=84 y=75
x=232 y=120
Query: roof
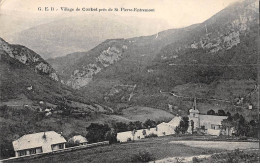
x=37 y=140
x=78 y=138
x=175 y=121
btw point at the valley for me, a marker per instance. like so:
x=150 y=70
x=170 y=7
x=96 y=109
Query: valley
x=130 y=83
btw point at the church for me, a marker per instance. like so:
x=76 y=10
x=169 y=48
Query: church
x=207 y=124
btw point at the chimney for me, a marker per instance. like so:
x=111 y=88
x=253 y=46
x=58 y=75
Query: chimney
x=44 y=136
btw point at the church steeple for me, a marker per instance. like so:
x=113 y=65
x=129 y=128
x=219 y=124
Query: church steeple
x=194 y=109
x=195 y=104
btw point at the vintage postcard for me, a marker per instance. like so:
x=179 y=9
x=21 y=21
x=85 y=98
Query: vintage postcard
x=129 y=81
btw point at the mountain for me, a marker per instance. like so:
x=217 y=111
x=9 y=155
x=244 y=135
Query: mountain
x=206 y=56
x=52 y=39
x=28 y=58
x=27 y=77
x=139 y=50
x=224 y=46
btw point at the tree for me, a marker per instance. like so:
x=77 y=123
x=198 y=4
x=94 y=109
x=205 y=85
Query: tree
x=221 y=113
x=227 y=124
x=130 y=126
x=242 y=126
x=228 y=114
x=253 y=128
x=120 y=127
x=111 y=136
x=236 y=117
x=192 y=126
x=96 y=132
x=6 y=148
x=66 y=110
x=177 y=130
x=149 y=123
x=211 y=112
x=138 y=125
x=184 y=124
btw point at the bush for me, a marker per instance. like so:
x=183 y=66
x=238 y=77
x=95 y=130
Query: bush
x=151 y=135
x=6 y=149
x=195 y=160
x=237 y=156
x=142 y=157
x=179 y=159
x=96 y=132
x=71 y=144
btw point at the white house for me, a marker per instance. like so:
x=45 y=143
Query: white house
x=38 y=143
x=78 y=139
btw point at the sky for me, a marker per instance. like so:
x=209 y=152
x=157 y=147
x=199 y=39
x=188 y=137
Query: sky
x=177 y=13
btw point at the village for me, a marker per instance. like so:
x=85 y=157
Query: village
x=195 y=123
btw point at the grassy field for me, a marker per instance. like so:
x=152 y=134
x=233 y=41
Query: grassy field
x=219 y=144
x=144 y=113
x=235 y=156
x=160 y=148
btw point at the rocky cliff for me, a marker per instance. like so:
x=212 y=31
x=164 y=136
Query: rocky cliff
x=94 y=62
x=220 y=33
x=28 y=58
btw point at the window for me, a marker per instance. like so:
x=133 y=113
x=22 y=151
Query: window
x=57 y=146
x=33 y=151
x=22 y=153
x=60 y=146
x=39 y=150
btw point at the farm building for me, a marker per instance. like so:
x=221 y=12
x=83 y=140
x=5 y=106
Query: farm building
x=79 y=140
x=160 y=130
x=38 y=143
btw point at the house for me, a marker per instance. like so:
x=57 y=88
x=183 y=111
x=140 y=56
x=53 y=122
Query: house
x=79 y=140
x=36 y=143
x=209 y=124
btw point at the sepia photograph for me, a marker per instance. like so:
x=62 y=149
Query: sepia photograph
x=129 y=81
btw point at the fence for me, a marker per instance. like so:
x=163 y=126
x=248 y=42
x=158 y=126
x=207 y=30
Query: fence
x=22 y=158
